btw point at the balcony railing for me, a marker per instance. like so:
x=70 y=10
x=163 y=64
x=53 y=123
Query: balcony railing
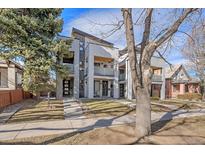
x=103 y=71
x=122 y=77
x=156 y=78
x=70 y=67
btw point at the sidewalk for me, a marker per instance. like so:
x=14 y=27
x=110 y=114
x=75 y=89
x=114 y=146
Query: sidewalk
x=9 y=111
x=12 y=131
x=23 y=130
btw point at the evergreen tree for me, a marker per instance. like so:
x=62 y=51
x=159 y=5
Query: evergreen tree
x=31 y=34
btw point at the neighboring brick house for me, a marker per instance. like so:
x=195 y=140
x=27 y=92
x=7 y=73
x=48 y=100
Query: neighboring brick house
x=10 y=75
x=178 y=82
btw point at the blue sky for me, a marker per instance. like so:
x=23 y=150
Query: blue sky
x=86 y=19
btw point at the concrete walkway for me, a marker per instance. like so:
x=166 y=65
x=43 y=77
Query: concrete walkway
x=23 y=130
x=72 y=109
x=9 y=111
x=132 y=104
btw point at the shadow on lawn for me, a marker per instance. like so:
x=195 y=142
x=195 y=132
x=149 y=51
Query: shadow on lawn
x=157 y=126
x=98 y=123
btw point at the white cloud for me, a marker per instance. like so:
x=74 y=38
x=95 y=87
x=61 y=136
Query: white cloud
x=98 y=22
x=87 y=22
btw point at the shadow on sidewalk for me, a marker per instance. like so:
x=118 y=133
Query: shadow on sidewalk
x=99 y=123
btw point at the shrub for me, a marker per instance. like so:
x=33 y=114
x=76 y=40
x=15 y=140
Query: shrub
x=190 y=96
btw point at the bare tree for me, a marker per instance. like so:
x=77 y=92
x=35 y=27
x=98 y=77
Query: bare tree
x=141 y=67
x=194 y=52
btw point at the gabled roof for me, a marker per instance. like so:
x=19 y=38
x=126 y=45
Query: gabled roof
x=77 y=31
x=12 y=61
x=170 y=72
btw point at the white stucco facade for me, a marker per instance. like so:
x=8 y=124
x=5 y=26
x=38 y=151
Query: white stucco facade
x=96 y=71
x=158 y=79
x=106 y=74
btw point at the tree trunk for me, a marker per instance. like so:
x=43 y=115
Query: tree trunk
x=140 y=81
x=143 y=112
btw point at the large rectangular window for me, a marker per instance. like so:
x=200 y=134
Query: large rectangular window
x=3 y=77
x=176 y=87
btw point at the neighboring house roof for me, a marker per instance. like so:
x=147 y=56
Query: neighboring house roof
x=123 y=58
x=77 y=31
x=12 y=61
x=171 y=72
x=124 y=51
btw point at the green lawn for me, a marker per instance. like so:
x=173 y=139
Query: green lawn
x=39 y=111
x=104 y=108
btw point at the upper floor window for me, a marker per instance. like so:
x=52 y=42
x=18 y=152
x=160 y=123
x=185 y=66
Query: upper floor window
x=69 y=58
x=81 y=43
x=97 y=64
x=157 y=71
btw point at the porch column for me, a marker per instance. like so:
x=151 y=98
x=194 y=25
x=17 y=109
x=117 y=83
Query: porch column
x=162 y=92
x=129 y=83
x=116 y=78
x=90 y=74
x=109 y=88
x=76 y=69
x=101 y=88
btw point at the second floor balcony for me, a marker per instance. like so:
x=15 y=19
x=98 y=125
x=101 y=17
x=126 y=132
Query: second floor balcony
x=70 y=68
x=156 y=78
x=100 y=71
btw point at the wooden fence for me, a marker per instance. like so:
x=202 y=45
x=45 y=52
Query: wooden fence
x=9 y=97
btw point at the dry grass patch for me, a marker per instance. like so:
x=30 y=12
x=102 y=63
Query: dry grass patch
x=160 y=108
x=104 y=108
x=35 y=111
x=184 y=104
x=110 y=135
x=178 y=131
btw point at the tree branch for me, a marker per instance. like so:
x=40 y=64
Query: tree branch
x=147 y=26
x=174 y=27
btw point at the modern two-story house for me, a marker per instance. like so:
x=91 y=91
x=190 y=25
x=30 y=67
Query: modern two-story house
x=10 y=75
x=100 y=70
x=157 y=88
x=93 y=68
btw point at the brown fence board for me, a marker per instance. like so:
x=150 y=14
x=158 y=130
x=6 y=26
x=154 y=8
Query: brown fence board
x=10 y=97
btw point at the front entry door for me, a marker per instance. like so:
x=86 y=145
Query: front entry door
x=122 y=88
x=104 y=88
x=67 y=88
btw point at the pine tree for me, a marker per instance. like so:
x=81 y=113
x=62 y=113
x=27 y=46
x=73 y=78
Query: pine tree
x=31 y=34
